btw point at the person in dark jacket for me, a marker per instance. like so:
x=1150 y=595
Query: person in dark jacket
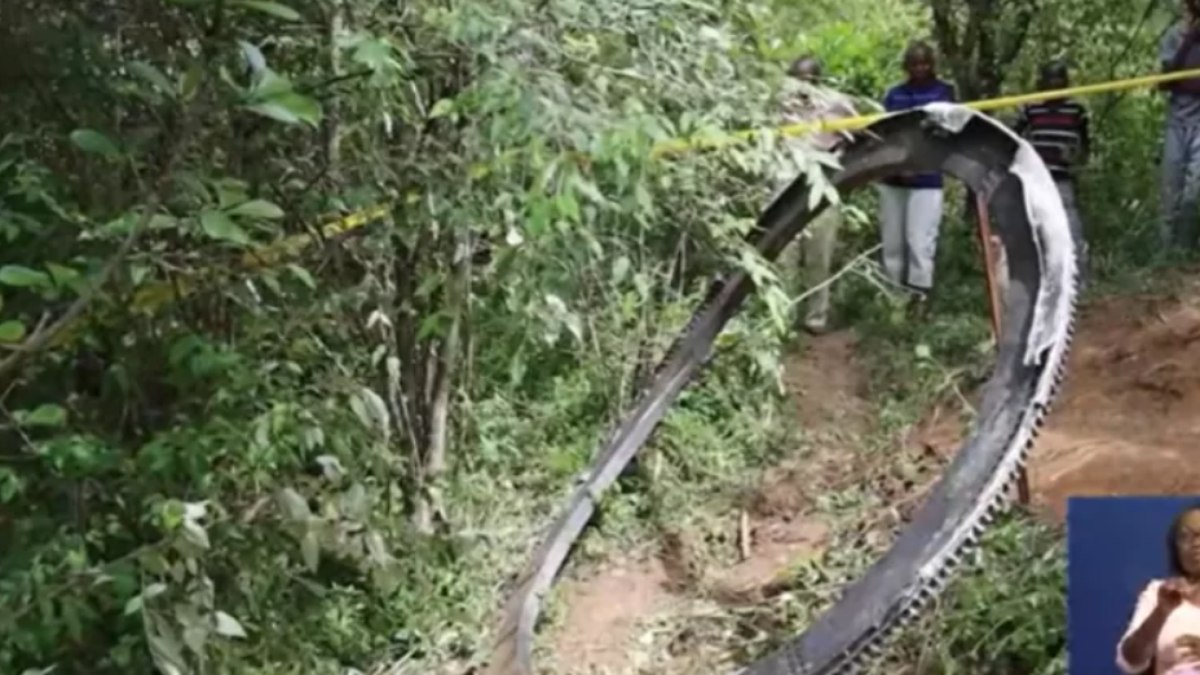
x=806 y=99
x=911 y=205
x=1059 y=129
x=1180 y=50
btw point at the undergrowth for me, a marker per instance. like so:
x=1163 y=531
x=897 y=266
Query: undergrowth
x=1004 y=615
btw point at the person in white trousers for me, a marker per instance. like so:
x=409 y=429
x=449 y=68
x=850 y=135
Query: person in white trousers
x=911 y=205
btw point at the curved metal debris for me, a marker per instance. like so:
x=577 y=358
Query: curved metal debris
x=1039 y=307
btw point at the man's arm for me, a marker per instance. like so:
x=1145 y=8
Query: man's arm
x=1022 y=121
x=1174 y=49
x=1085 y=136
x=1135 y=651
x=889 y=100
x=1190 y=34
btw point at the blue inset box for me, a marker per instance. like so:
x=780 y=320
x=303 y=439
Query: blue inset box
x=1117 y=546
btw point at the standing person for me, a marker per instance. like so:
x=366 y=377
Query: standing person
x=1059 y=129
x=804 y=100
x=911 y=205
x=1163 y=635
x=1180 y=50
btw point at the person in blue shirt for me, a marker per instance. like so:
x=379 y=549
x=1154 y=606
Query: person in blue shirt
x=911 y=204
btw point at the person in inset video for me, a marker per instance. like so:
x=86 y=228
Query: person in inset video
x=1163 y=636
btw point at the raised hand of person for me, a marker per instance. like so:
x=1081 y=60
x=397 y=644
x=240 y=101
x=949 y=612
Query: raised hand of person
x=1172 y=592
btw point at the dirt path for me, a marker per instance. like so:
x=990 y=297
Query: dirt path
x=612 y=611
x=1128 y=422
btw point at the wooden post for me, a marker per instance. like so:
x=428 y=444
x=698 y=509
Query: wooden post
x=994 y=305
x=989 y=265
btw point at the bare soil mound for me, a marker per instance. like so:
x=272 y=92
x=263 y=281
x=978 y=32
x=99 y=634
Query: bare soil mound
x=1128 y=420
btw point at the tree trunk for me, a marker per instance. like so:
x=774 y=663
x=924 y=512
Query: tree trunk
x=978 y=43
x=979 y=46
x=444 y=359
x=335 y=27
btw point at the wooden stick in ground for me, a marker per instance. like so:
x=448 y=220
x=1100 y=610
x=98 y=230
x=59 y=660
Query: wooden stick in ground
x=744 y=546
x=989 y=265
x=994 y=304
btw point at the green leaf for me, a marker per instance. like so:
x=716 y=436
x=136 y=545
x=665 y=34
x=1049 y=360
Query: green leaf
x=12 y=331
x=254 y=57
x=303 y=275
x=139 y=273
x=10 y=485
x=137 y=602
x=387 y=577
x=295 y=508
x=310 y=550
x=589 y=190
x=195 y=636
x=47 y=415
x=230 y=193
x=167 y=652
x=162 y=221
x=218 y=226
x=375 y=54
x=229 y=626
x=152 y=75
x=257 y=208
x=621 y=267
x=62 y=275
x=189 y=82
x=268 y=84
x=289 y=108
x=442 y=108
x=353 y=503
x=19 y=276
x=133 y=605
x=374 y=411
x=195 y=534
x=273 y=8
x=90 y=140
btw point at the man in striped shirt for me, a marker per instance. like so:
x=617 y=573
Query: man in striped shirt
x=1059 y=129
x=804 y=100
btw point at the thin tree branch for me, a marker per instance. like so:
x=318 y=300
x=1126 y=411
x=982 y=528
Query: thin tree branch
x=944 y=29
x=1024 y=20
x=42 y=338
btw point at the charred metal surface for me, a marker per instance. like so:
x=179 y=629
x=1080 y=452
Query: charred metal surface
x=1039 y=307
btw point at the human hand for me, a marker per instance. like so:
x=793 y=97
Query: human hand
x=1188 y=647
x=1172 y=593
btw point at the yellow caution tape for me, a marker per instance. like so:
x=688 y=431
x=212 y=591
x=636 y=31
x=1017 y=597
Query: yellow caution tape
x=153 y=296
x=682 y=145
x=149 y=298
